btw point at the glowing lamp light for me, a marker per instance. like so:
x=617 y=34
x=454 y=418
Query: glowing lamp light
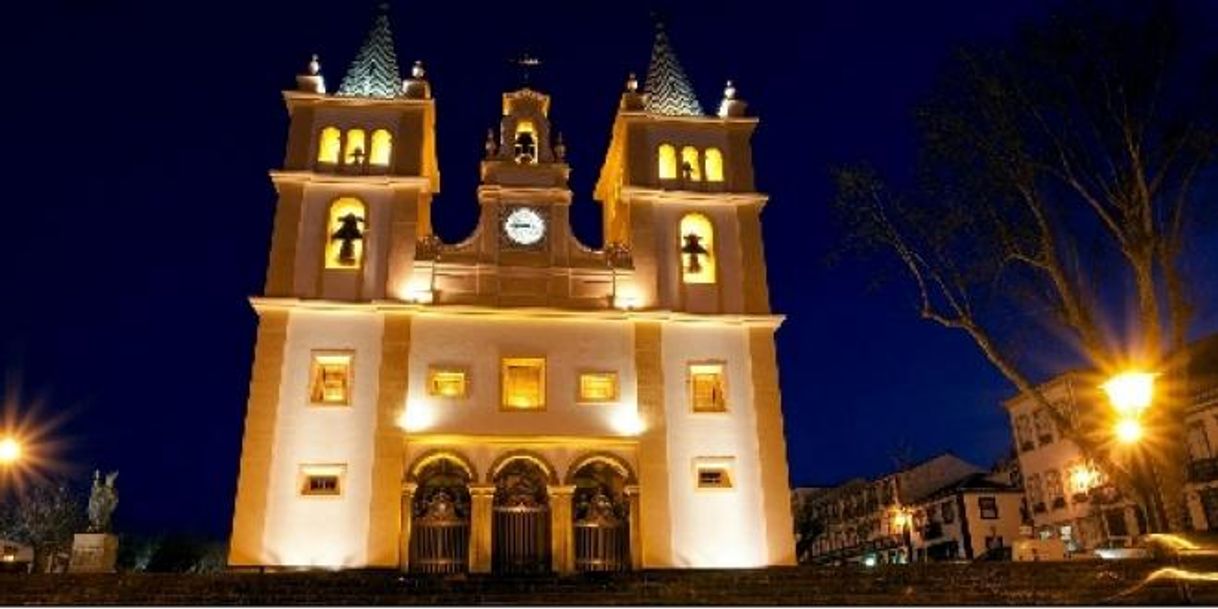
x=1083 y=478
x=416 y=417
x=626 y=302
x=1129 y=431
x=10 y=451
x=900 y=520
x=1130 y=392
x=628 y=422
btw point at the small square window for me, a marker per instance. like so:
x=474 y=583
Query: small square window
x=524 y=383
x=330 y=379
x=988 y=507
x=446 y=383
x=322 y=480
x=706 y=388
x=714 y=473
x=598 y=386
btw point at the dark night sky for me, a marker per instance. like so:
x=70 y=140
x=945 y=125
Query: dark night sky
x=137 y=207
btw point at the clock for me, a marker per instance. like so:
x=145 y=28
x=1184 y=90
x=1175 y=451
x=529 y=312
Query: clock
x=524 y=226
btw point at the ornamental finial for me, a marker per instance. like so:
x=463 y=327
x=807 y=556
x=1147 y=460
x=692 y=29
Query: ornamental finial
x=729 y=91
x=632 y=83
x=314 y=66
x=417 y=71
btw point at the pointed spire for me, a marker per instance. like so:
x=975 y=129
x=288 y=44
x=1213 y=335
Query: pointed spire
x=374 y=73
x=668 y=89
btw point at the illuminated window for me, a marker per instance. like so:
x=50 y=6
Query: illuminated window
x=714 y=165
x=329 y=145
x=524 y=383
x=446 y=383
x=696 y=247
x=345 y=234
x=691 y=169
x=1044 y=426
x=322 y=480
x=667 y=162
x=598 y=387
x=356 y=150
x=382 y=145
x=713 y=472
x=706 y=388
x=330 y=379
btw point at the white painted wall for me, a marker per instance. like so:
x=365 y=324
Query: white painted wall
x=478 y=345
x=312 y=239
x=323 y=531
x=712 y=528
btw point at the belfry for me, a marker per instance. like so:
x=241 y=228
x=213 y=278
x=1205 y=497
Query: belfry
x=517 y=401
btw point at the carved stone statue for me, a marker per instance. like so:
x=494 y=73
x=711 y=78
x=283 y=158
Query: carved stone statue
x=102 y=501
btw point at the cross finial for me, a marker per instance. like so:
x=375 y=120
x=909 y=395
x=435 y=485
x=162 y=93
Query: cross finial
x=527 y=63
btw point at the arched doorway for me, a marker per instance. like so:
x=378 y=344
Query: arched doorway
x=439 y=539
x=600 y=517
x=521 y=519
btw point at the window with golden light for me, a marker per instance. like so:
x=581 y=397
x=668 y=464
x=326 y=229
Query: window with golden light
x=356 y=150
x=329 y=145
x=382 y=146
x=322 y=480
x=330 y=379
x=691 y=168
x=446 y=382
x=345 y=227
x=707 y=390
x=666 y=156
x=524 y=383
x=714 y=165
x=696 y=248
x=598 y=386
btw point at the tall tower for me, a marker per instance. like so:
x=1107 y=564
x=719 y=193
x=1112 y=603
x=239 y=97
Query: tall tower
x=515 y=401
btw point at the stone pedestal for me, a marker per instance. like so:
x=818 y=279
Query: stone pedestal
x=93 y=553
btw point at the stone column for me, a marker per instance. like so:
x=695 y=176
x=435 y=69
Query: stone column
x=562 y=547
x=408 y=490
x=482 y=497
x=636 y=543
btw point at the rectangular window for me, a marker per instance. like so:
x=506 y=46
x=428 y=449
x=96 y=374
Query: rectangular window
x=706 y=388
x=524 y=383
x=446 y=383
x=949 y=513
x=713 y=473
x=330 y=378
x=989 y=508
x=322 y=480
x=598 y=386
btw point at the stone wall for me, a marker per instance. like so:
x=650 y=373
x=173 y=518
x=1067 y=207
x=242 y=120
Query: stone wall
x=932 y=584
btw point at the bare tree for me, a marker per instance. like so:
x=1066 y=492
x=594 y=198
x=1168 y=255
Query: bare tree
x=1058 y=176
x=44 y=515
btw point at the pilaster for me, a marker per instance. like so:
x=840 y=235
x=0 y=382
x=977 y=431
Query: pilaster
x=562 y=551
x=772 y=449
x=388 y=447
x=482 y=497
x=408 y=490
x=654 y=511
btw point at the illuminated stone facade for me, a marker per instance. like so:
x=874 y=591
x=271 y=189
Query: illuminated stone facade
x=516 y=401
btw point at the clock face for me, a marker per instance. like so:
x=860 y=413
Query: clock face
x=524 y=226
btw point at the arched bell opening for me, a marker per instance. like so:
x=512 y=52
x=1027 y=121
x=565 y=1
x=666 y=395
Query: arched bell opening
x=600 y=518
x=521 y=519
x=439 y=540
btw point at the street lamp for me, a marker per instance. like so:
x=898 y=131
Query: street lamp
x=10 y=451
x=902 y=521
x=1131 y=393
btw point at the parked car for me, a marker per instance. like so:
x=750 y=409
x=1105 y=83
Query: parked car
x=1121 y=550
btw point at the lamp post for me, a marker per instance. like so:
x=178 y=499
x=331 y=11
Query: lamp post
x=902 y=519
x=1131 y=393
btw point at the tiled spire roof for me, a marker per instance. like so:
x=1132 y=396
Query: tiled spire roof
x=668 y=89
x=374 y=73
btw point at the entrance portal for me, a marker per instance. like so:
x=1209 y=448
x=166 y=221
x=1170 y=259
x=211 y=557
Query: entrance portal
x=601 y=519
x=439 y=539
x=521 y=521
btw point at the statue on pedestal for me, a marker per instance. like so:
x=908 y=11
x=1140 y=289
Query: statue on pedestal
x=96 y=550
x=102 y=501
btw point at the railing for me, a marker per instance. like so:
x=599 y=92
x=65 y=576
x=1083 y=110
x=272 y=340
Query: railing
x=1203 y=470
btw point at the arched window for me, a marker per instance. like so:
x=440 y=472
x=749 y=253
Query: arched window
x=345 y=228
x=357 y=149
x=714 y=165
x=691 y=169
x=382 y=145
x=696 y=248
x=329 y=145
x=667 y=162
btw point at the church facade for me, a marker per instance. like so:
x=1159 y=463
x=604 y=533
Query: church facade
x=517 y=401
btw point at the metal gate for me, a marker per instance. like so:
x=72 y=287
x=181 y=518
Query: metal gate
x=439 y=541
x=520 y=521
x=602 y=535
